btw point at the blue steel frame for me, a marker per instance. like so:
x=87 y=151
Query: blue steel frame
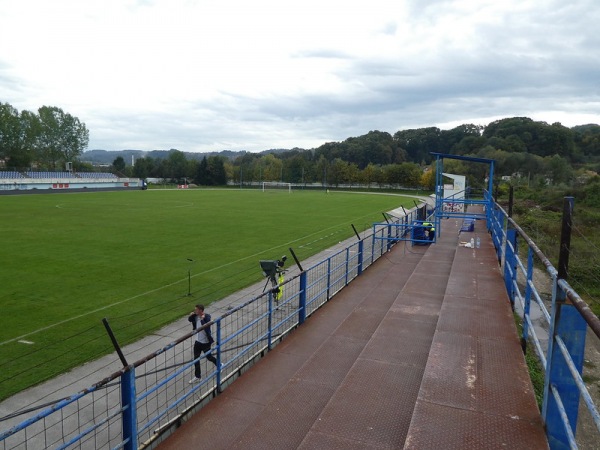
x=567 y=322
x=439 y=189
x=402 y=229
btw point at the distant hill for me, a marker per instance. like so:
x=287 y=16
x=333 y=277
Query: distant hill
x=108 y=156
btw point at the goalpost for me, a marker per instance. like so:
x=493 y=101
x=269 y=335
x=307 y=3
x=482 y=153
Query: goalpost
x=276 y=185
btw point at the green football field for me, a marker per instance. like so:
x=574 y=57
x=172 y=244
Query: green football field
x=70 y=260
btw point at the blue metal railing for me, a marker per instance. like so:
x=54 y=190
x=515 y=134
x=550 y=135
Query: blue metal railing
x=457 y=204
x=130 y=408
x=408 y=228
x=560 y=342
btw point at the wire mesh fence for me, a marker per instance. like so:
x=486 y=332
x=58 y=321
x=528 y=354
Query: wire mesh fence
x=132 y=407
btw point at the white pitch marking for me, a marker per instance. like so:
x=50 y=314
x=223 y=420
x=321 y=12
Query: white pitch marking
x=126 y=300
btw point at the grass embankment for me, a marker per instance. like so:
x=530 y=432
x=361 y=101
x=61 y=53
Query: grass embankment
x=539 y=213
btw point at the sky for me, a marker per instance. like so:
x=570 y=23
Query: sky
x=203 y=76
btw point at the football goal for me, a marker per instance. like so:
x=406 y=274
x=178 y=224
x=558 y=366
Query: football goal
x=276 y=185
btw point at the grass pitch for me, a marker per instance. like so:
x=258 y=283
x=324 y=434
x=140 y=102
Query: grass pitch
x=72 y=259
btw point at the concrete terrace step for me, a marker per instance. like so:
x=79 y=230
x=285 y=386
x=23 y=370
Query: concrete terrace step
x=418 y=352
x=301 y=393
x=476 y=391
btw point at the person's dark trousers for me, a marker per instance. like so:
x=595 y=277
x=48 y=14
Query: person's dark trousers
x=198 y=349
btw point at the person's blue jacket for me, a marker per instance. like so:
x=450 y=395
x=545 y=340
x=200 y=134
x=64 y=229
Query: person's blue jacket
x=194 y=319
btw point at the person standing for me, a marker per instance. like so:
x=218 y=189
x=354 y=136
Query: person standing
x=204 y=339
x=430 y=228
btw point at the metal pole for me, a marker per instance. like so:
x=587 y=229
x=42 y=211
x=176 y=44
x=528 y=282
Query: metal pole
x=360 y=257
x=190 y=278
x=302 y=299
x=565 y=238
x=114 y=342
x=129 y=407
x=189 y=282
x=355 y=232
x=296 y=259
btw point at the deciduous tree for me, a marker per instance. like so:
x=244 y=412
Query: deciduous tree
x=62 y=137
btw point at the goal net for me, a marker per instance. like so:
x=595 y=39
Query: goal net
x=276 y=186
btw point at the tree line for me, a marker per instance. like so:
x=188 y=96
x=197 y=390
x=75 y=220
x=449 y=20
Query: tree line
x=45 y=139
x=526 y=150
x=177 y=168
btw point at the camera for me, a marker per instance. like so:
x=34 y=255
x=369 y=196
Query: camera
x=272 y=267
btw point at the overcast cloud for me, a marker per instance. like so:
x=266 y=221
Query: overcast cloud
x=260 y=74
